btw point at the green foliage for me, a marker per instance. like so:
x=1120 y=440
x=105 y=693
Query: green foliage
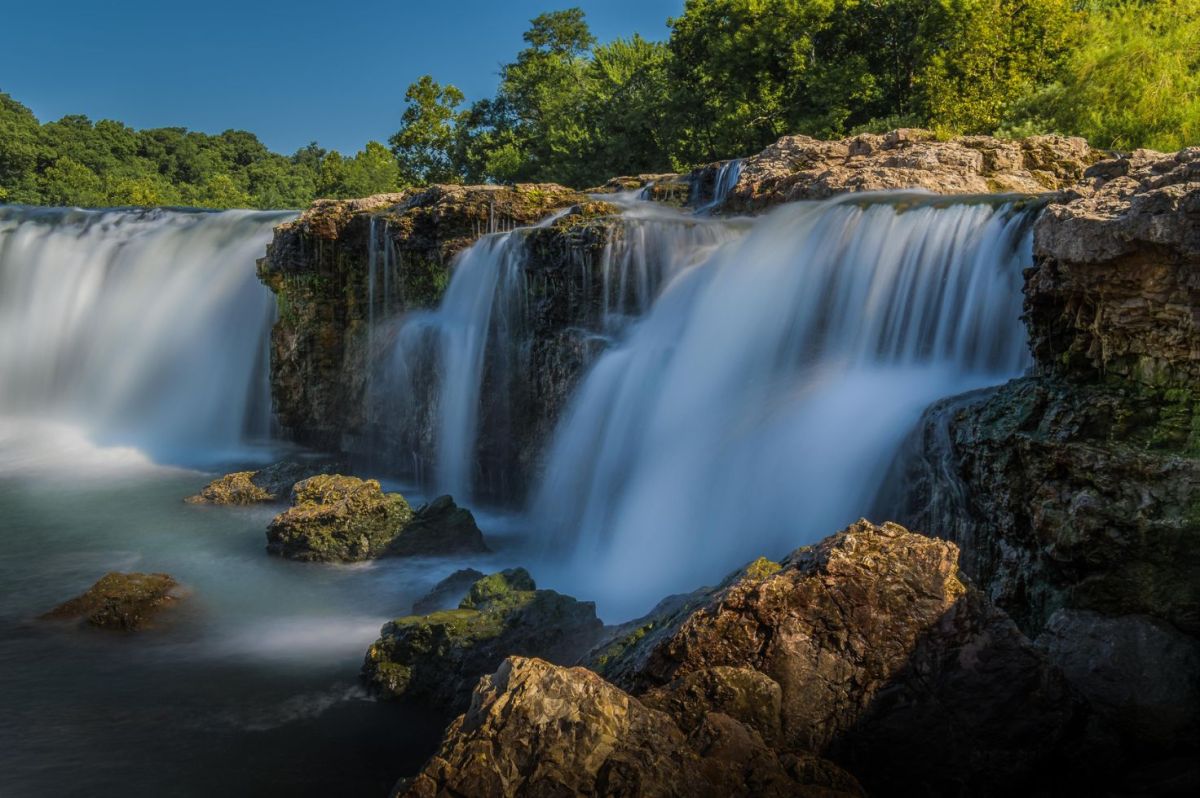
x=1132 y=78
x=73 y=161
x=733 y=76
x=425 y=142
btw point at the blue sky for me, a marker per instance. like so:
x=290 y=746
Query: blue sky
x=290 y=72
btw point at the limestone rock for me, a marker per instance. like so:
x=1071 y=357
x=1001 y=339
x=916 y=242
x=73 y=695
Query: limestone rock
x=1116 y=292
x=447 y=593
x=803 y=168
x=884 y=660
x=338 y=518
x=538 y=729
x=438 y=658
x=123 y=602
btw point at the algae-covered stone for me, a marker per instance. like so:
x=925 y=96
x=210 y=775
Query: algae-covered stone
x=334 y=517
x=440 y=527
x=235 y=488
x=438 y=658
x=125 y=602
x=270 y=484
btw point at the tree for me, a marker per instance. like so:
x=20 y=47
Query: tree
x=997 y=52
x=424 y=144
x=1131 y=80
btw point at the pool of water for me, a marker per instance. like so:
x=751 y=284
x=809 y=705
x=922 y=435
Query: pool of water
x=248 y=686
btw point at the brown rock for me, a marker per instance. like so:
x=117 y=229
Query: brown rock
x=803 y=168
x=124 y=602
x=537 y=729
x=1116 y=291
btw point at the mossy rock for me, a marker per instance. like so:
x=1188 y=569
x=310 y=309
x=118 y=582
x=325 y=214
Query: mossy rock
x=338 y=518
x=438 y=528
x=122 y=602
x=237 y=488
x=448 y=592
x=438 y=658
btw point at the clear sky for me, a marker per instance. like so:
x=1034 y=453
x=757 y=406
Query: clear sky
x=291 y=71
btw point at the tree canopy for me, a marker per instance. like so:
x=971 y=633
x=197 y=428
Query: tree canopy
x=732 y=77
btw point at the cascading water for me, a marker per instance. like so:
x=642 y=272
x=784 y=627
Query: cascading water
x=758 y=404
x=145 y=328
x=726 y=179
x=472 y=352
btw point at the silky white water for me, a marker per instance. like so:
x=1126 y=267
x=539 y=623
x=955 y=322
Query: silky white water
x=758 y=404
x=145 y=328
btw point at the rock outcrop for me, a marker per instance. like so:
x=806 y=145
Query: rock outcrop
x=866 y=650
x=345 y=519
x=1075 y=492
x=122 y=602
x=1117 y=289
x=803 y=168
x=344 y=268
x=437 y=659
x=534 y=728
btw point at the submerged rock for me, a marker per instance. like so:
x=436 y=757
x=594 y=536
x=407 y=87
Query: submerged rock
x=438 y=658
x=271 y=484
x=125 y=602
x=334 y=517
x=534 y=728
x=447 y=593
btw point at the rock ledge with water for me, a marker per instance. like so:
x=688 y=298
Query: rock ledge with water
x=119 y=601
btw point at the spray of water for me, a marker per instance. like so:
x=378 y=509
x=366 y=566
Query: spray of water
x=145 y=328
x=757 y=405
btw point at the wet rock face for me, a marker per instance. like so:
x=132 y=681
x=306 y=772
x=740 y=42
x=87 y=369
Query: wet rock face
x=318 y=267
x=1117 y=289
x=534 y=728
x=1066 y=494
x=803 y=168
x=438 y=658
x=447 y=593
x=122 y=602
x=1140 y=671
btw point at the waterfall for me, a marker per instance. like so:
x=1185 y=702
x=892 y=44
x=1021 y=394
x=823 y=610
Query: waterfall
x=459 y=375
x=146 y=328
x=726 y=180
x=758 y=403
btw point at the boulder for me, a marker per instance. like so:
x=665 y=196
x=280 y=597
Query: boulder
x=437 y=528
x=1115 y=292
x=338 y=518
x=270 y=484
x=534 y=728
x=881 y=659
x=122 y=602
x=438 y=658
x=447 y=593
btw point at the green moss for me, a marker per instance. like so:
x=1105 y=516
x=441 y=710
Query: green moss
x=506 y=589
x=761 y=568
